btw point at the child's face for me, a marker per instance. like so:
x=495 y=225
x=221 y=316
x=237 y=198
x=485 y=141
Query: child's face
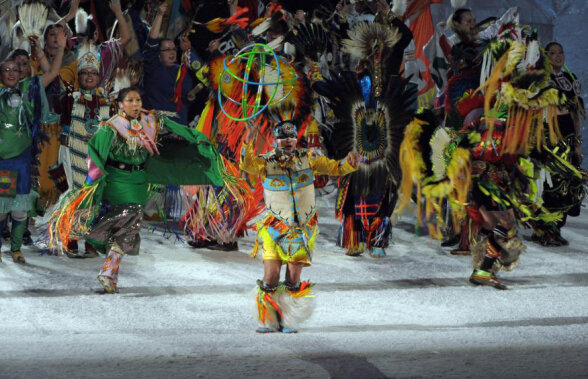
x=288 y=144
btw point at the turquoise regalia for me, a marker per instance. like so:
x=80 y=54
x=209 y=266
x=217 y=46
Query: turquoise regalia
x=290 y=227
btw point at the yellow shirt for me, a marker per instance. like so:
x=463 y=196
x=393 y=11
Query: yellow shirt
x=67 y=73
x=256 y=165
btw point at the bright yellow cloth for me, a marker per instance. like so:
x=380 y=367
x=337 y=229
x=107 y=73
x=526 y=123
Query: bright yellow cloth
x=67 y=73
x=255 y=165
x=272 y=250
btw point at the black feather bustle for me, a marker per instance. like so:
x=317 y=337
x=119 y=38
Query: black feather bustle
x=424 y=139
x=398 y=104
x=310 y=41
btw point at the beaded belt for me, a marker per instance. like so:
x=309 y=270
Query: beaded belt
x=125 y=166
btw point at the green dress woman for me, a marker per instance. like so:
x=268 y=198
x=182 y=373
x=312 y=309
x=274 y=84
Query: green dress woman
x=131 y=150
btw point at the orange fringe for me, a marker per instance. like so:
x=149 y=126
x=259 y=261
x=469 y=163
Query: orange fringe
x=73 y=218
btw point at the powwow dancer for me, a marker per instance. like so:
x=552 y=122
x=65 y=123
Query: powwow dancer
x=372 y=106
x=563 y=192
x=374 y=128
x=23 y=109
x=518 y=100
x=83 y=111
x=129 y=151
x=290 y=228
x=222 y=215
x=486 y=166
x=218 y=216
x=468 y=70
x=35 y=19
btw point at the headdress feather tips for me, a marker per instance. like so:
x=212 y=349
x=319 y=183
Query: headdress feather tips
x=399 y=7
x=121 y=80
x=364 y=36
x=457 y=4
x=81 y=21
x=32 y=17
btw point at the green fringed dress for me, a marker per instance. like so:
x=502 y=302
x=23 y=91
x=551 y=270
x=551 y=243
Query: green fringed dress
x=125 y=156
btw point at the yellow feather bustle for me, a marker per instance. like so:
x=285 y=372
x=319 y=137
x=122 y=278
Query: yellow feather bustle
x=528 y=108
x=455 y=188
x=412 y=165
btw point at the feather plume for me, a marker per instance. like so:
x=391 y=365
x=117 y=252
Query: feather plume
x=364 y=36
x=33 y=17
x=533 y=54
x=283 y=111
x=121 y=80
x=262 y=28
x=399 y=7
x=379 y=150
x=292 y=96
x=289 y=49
x=81 y=21
x=310 y=40
x=276 y=43
x=439 y=142
x=19 y=41
x=456 y=4
x=412 y=165
x=515 y=55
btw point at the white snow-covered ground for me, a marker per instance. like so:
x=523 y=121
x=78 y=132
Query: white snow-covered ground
x=183 y=312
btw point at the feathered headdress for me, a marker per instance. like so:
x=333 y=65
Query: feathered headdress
x=81 y=22
x=310 y=40
x=88 y=57
x=371 y=44
x=399 y=8
x=284 y=114
x=495 y=48
x=457 y=4
x=365 y=37
x=32 y=20
x=122 y=80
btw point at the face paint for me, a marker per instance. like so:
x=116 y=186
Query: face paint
x=285 y=130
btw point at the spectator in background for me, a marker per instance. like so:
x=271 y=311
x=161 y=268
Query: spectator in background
x=165 y=83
